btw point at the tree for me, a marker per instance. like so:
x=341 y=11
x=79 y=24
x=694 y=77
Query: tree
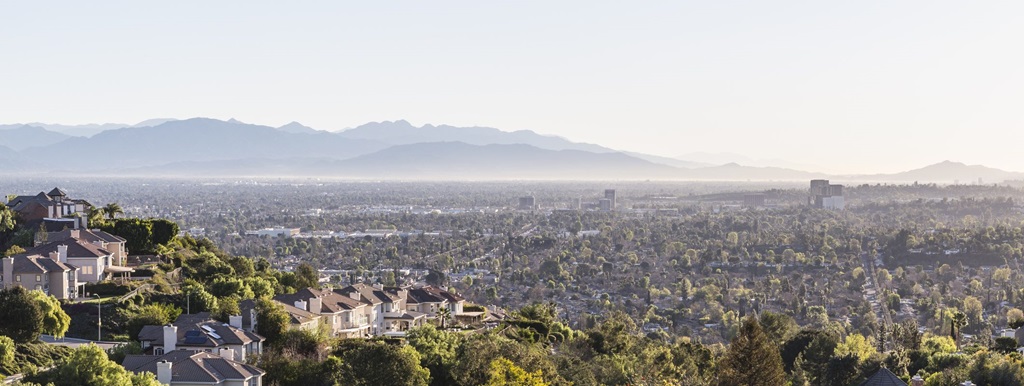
x=444 y=313
x=14 y=250
x=163 y=231
x=112 y=210
x=55 y=320
x=271 y=320
x=21 y=319
x=777 y=326
x=958 y=322
x=437 y=351
x=857 y=346
x=7 y=347
x=6 y=219
x=505 y=373
x=367 y=363
x=752 y=359
x=155 y=314
x=89 y=366
x=306 y=276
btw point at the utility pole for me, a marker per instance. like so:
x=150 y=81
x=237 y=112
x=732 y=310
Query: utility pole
x=99 y=318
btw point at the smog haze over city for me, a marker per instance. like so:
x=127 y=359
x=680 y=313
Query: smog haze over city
x=717 y=193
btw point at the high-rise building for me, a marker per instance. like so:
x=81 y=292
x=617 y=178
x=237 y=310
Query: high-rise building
x=527 y=203
x=826 y=195
x=609 y=194
x=605 y=205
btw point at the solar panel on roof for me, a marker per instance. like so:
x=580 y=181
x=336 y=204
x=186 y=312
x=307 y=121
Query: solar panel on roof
x=195 y=340
x=193 y=333
x=207 y=328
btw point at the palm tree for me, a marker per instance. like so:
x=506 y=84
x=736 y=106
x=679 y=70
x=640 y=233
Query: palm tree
x=94 y=214
x=112 y=210
x=444 y=313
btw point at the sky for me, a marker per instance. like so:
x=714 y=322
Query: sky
x=865 y=86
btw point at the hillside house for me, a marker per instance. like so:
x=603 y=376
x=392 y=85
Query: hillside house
x=189 y=367
x=199 y=332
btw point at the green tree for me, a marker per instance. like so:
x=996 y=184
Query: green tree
x=752 y=359
x=437 y=351
x=856 y=345
x=112 y=210
x=777 y=326
x=444 y=314
x=367 y=363
x=306 y=276
x=21 y=319
x=505 y=373
x=163 y=231
x=271 y=320
x=7 y=347
x=154 y=314
x=55 y=320
x=89 y=366
x=7 y=222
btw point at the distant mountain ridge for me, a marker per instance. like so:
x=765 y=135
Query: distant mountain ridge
x=949 y=172
x=20 y=137
x=402 y=132
x=384 y=150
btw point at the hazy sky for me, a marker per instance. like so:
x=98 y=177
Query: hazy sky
x=841 y=85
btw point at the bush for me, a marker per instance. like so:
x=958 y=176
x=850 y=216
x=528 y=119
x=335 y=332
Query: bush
x=107 y=288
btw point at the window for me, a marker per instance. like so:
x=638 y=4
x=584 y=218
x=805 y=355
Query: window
x=87 y=269
x=17 y=278
x=158 y=351
x=39 y=278
x=39 y=287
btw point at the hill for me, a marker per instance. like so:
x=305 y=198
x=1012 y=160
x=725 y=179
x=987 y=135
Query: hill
x=948 y=172
x=202 y=139
x=403 y=133
x=19 y=137
x=439 y=161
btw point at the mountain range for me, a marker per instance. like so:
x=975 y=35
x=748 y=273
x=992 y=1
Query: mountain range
x=384 y=150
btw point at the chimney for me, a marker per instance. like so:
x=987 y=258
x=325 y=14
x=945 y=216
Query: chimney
x=354 y=295
x=8 y=270
x=62 y=253
x=54 y=256
x=378 y=286
x=315 y=305
x=300 y=304
x=235 y=321
x=170 y=338
x=226 y=353
x=163 y=372
x=917 y=380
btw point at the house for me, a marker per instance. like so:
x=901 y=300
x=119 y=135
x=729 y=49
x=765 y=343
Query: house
x=188 y=367
x=883 y=377
x=49 y=274
x=345 y=316
x=430 y=300
x=108 y=242
x=299 y=319
x=387 y=313
x=94 y=263
x=201 y=333
x=50 y=206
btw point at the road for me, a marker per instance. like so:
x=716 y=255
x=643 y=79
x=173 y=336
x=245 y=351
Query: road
x=871 y=293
